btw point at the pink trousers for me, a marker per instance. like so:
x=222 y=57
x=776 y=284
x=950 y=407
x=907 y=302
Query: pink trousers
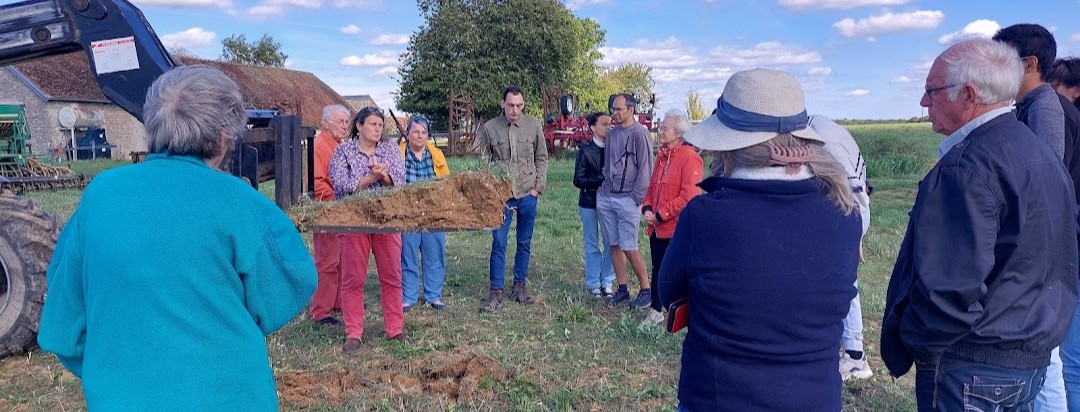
x=327 y=297
x=356 y=250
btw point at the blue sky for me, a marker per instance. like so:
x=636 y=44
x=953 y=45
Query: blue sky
x=855 y=58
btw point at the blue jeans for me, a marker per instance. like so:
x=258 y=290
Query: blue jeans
x=432 y=250
x=1070 y=360
x=598 y=269
x=1052 y=396
x=525 y=209
x=852 y=338
x=960 y=385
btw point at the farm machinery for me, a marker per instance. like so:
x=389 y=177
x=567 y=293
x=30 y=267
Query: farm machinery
x=125 y=57
x=566 y=127
x=18 y=169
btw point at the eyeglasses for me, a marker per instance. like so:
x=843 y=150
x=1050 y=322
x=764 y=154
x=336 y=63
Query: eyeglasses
x=930 y=90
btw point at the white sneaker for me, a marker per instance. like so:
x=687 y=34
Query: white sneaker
x=854 y=368
x=654 y=318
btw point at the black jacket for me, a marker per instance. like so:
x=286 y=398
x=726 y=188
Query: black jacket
x=589 y=173
x=987 y=271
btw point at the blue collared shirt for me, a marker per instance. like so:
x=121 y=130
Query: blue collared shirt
x=961 y=134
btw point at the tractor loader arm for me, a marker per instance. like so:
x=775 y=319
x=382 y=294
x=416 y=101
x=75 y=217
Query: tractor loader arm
x=125 y=54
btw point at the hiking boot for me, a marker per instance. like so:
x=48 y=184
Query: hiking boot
x=351 y=346
x=493 y=300
x=520 y=294
x=618 y=298
x=642 y=301
x=654 y=318
x=854 y=368
x=596 y=292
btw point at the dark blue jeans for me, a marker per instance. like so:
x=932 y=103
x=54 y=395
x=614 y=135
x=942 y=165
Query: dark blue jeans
x=525 y=209
x=960 y=385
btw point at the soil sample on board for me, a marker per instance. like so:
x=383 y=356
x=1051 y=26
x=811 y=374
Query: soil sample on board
x=463 y=201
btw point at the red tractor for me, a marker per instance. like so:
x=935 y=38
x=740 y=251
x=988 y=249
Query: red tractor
x=566 y=128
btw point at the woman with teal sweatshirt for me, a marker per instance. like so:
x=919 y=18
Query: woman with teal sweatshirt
x=170 y=274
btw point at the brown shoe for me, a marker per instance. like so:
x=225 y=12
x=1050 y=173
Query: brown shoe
x=493 y=300
x=520 y=294
x=351 y=346
x=399 y=338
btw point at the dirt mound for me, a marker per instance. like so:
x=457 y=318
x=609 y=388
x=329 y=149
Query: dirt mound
x=467 y=200
x=465 y=377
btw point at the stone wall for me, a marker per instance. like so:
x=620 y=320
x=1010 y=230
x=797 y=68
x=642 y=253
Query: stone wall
x=46 y=134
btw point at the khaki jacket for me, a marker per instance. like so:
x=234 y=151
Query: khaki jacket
x=524 y=153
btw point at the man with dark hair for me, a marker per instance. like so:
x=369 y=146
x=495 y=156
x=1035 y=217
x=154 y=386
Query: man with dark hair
x=516 y=142
x=628 y=161
x=1041 y=108
x=1037 y=104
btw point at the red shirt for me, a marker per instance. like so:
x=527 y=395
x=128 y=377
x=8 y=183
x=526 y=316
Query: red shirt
x=324 y=151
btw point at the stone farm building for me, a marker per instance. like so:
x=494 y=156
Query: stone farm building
x=45 y=86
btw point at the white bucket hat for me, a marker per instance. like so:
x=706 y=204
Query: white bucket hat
x=757 y=105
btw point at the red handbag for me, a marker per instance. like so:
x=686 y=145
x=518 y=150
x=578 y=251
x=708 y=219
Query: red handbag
x=678 y=315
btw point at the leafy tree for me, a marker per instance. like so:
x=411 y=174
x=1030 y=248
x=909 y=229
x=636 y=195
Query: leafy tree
x=480 y=46
x=694 y=110
x=264 y=52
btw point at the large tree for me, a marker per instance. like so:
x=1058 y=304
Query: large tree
x=264 y=52
x=480 y=46
x=633 y=78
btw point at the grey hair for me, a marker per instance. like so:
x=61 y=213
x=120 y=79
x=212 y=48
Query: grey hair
x=682 y=121
x=190 y=109
x=328 y=111
x=993 y=68
x=823 y=165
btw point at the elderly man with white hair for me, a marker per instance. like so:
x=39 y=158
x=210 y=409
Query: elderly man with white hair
x=987 y=270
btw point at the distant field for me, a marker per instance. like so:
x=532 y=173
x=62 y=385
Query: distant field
x=566 y=353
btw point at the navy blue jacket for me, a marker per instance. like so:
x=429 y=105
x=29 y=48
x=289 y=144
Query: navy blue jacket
x=769 y=267
x=987 y=270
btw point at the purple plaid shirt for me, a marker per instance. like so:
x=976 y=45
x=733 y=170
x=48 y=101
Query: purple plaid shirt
x=349 y=165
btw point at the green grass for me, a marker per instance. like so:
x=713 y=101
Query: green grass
x=565 y=353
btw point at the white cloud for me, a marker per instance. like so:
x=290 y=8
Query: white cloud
x=372 y=60
x=890 y=23
x=977 y=28
x=578 y=4
x=386 y=71
x=668 y=53
x=902 y=79
x=1076 y=37
x=819 y=71
x=184 y=3
x=278 y=7
x=192 y=38
x=857 y=93
x=351 y=29
x=710 y=74
x=837 y=4
x=764 y=54
x=390 y=38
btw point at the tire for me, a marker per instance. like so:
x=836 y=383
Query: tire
x=566 y=105
x=27 y=238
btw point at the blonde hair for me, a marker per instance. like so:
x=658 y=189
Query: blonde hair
x=822 y=165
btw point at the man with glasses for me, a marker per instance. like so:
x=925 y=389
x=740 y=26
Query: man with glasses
x=327 y=297
x=516 y=142
x=628 y=163
x=987 y=268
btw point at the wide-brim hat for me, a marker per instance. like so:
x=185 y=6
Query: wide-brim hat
x=757 y=105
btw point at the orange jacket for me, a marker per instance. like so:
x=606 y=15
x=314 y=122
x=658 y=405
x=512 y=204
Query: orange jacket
x=324 y=151
x=673 y=183
x=437 y=158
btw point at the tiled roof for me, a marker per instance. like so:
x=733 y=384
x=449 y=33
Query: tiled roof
x=68 y=78
x=361 y=101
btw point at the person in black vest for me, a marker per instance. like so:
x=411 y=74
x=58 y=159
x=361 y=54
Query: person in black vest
x=984 y=286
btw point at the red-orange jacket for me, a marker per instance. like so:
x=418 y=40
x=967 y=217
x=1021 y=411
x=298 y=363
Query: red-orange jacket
x=324 y=151
x=673 y=183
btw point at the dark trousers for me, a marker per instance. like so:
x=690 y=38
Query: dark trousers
x=657 y=248
x=960 y=385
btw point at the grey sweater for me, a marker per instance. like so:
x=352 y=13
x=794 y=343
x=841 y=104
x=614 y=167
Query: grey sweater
x=1041 y=111
x=628 y=163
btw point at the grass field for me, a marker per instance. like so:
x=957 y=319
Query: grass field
x=566 y=353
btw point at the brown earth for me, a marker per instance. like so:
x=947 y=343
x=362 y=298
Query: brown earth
x=461 y=375
x=467 y=200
